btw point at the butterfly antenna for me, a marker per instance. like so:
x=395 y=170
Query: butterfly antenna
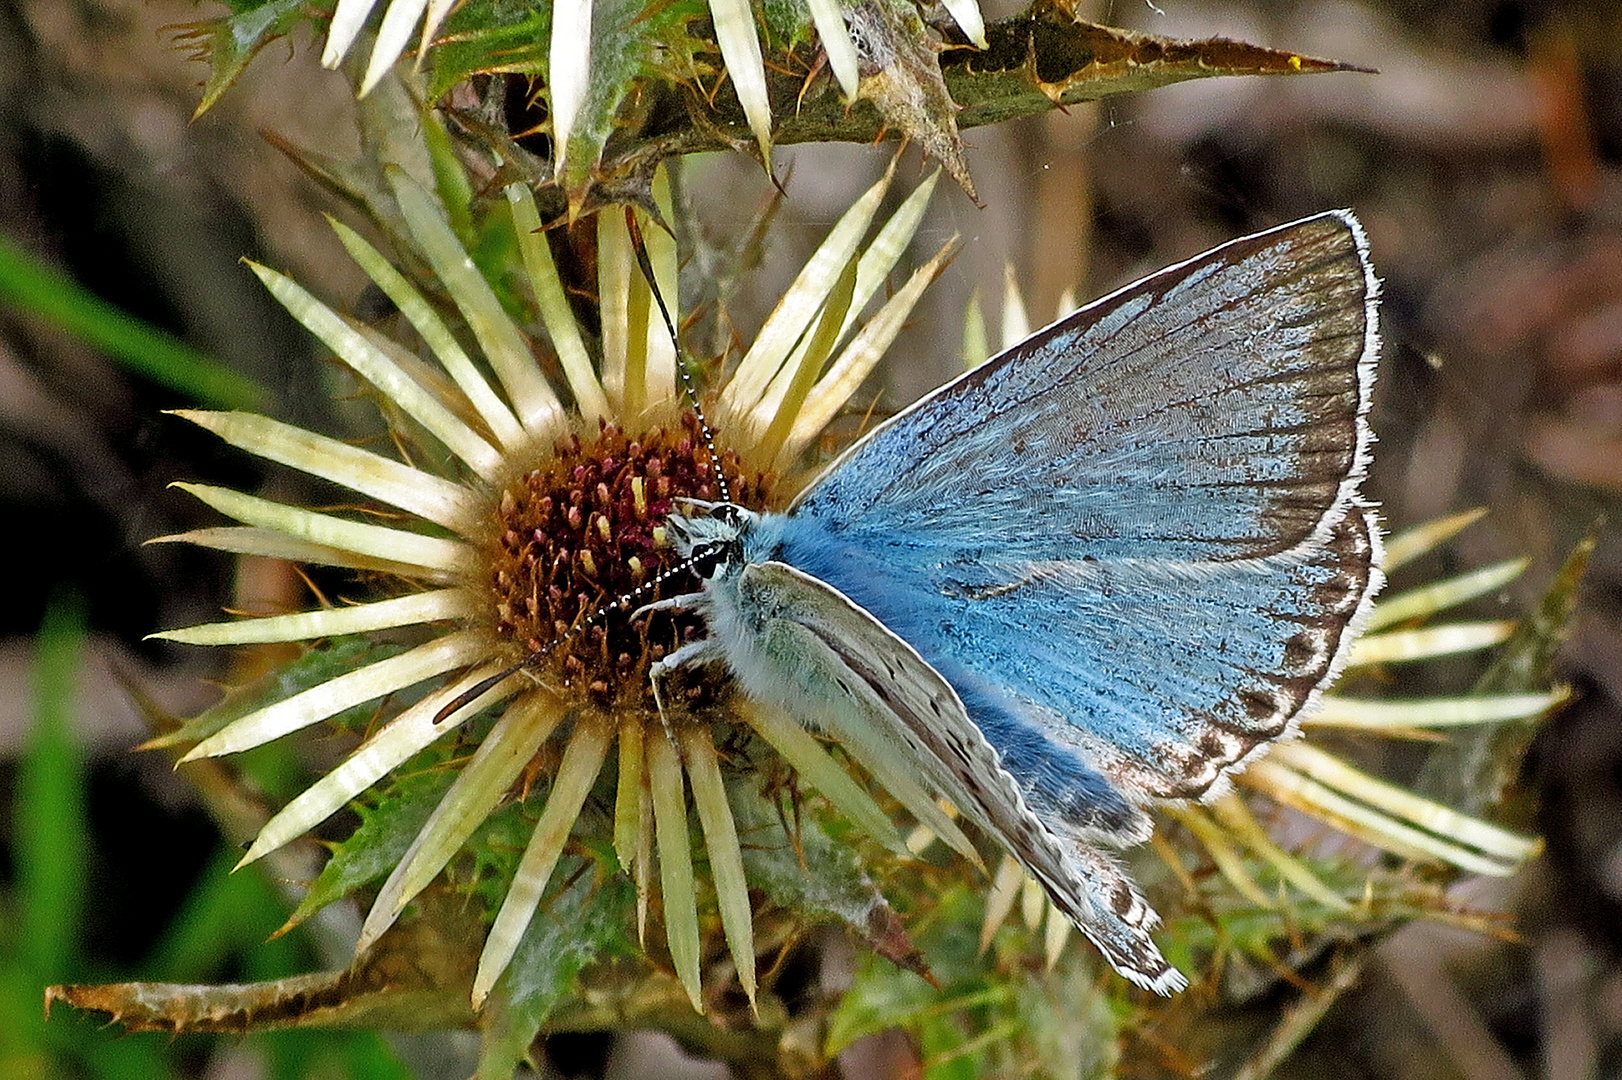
x=485 y=685
x=646 y=266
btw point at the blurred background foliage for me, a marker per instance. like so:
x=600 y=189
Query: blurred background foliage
x=1485 y=160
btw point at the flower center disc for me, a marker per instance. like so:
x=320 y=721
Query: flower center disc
x=584 y=529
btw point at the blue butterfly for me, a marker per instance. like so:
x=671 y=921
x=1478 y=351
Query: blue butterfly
x=1101 y=570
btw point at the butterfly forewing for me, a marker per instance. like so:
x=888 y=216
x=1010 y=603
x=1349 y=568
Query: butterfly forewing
x=1213 y=410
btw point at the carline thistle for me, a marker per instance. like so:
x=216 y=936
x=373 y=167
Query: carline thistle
x=1097 y=572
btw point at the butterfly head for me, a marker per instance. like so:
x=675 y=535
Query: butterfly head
x=711 y=541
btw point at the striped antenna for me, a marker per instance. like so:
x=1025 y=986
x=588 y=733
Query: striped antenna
x=484 y=686
x=646 y=266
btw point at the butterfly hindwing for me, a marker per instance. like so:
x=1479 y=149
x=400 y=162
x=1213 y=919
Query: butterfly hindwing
x=805 y=647
x=1162 y=676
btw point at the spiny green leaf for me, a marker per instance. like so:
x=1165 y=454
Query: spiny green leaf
x=228 y=44
x=906 y=83
x=589 y=920
x=631 y=41
x=654 y=68
x=1040 y=59
x=1048 y=56
x=376 y=847
x=487 y=36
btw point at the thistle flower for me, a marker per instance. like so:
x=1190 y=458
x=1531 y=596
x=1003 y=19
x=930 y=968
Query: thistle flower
x=544 y=514
x=528 y=517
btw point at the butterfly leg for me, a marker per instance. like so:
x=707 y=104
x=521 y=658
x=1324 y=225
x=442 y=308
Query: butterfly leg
x=702 y=651
x=684 y=602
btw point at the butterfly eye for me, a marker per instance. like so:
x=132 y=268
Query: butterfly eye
x=730 y=514
x=708 y=558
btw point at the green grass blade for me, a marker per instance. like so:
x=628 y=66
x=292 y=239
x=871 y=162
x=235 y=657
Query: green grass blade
x=29 y=285
x=50 y=810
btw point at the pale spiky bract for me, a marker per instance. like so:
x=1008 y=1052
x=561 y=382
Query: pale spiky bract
x=546 y=514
